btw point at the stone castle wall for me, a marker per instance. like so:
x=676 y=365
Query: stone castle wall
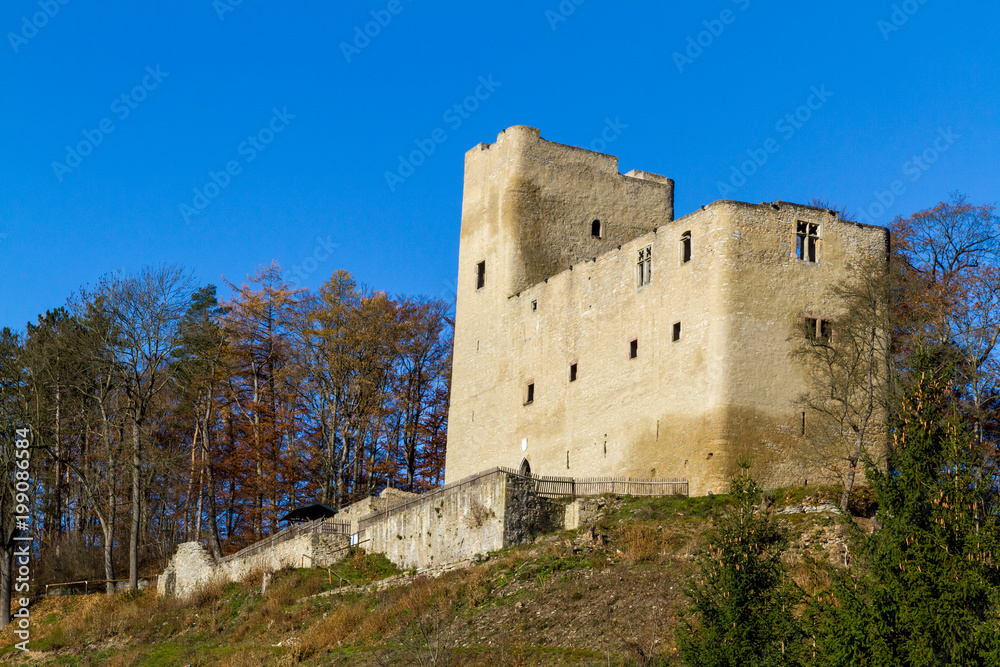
x=688 y=407
x=488 y=513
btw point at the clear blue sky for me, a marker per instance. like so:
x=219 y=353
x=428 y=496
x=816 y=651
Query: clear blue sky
x=201 y=77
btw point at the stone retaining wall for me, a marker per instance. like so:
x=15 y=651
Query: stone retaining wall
x=492 y=512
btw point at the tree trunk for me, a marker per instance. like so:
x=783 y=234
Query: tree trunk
x=845 y=497
x=190 y=486
x=213 y=524
x=108 y=527
x=6 y=581
x=133 y=543
x=109 y=562
x=201 y=495
x=57 y=492
x=214 y=542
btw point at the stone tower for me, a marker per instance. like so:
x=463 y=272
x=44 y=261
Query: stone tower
x=598 y=336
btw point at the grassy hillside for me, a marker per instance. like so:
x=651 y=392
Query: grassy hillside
x=607 y=594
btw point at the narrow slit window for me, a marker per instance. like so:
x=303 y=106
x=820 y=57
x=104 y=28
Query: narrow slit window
x=645 y=265
x=529 y=395
x=572 y=372
x=686 y=247
x=633 y=348
x=676 y=333
x=480 y=275
x=597 y=229
x=534 y=305
x=807 y=242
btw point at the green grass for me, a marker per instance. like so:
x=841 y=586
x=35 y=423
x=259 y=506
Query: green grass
x=669 y=507
x=796 y=495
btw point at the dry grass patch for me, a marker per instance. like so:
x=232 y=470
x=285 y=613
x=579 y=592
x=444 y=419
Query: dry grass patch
x=124 y=659
x=207 y=594
x=643 y=543
x=332 y=630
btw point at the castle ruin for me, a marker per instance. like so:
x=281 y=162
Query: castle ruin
x=597 y=335
x=600 y=346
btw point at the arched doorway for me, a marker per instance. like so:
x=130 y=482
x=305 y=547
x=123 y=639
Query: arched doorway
x=525 y=468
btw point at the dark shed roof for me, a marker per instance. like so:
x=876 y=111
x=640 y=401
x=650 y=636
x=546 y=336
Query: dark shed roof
x=309 y=513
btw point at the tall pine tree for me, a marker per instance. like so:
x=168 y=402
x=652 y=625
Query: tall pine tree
x=741 y=612
x=927 y=592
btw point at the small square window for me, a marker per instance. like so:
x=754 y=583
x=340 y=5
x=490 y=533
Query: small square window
x=676 y=334
x=529 y=396
x=818 y=329
x=633 y=348
x=572 y=372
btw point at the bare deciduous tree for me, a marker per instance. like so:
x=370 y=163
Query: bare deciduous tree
x=848 y=367
x=145 y=309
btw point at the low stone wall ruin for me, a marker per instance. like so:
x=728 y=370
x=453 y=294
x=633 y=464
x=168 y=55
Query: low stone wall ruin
x=193 y=565
x=454 y=523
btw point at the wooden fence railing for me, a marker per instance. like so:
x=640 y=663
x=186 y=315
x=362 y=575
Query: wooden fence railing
x=548 y=487
x=478 y=478
x=327 y=526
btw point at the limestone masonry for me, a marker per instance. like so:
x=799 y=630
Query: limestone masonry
x=597 y=335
